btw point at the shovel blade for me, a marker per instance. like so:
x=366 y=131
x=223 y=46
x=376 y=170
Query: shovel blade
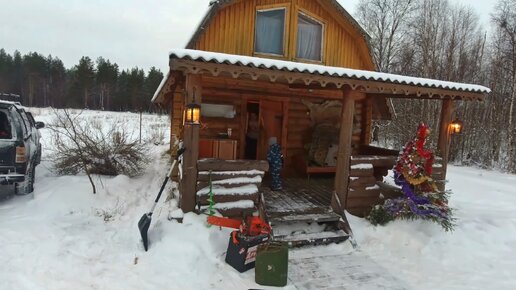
x=143 y=226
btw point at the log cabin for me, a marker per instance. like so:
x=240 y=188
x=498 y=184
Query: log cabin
x=300 y=71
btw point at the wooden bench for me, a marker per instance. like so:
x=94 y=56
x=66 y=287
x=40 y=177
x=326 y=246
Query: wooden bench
x=301 y=165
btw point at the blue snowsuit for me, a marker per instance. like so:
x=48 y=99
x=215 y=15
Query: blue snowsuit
x=275 y=159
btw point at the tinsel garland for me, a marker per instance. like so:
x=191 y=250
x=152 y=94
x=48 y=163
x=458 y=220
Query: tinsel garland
x=414 y=201
x=421 y=198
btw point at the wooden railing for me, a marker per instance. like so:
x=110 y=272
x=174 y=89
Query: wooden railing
x=372 y=150
x=365 y=173
x=234 y=184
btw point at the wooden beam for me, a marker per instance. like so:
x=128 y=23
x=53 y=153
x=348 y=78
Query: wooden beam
x=344 y=153
x=433 y=94
x=243 y=127
x=284 y=127
x=445 y=134
x=390 y=89
x=175 y=79
x=191 y=143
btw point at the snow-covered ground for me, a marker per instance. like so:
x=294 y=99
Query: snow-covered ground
x=67 y=238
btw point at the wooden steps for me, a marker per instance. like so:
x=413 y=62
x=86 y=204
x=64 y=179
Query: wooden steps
x=312 y=239
x=234 y=209
x=305 y=218
x=234 y=185
x=301 y=215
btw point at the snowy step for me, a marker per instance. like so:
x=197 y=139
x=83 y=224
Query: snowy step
x=222 y=198
x=247 y=189
x=232 y=182
x=373 y=190
x=223 y=194
x=306 y=218
x=234 y=209
x=320 y=238
x=361 y=170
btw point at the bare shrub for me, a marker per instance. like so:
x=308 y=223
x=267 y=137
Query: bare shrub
x=109 y=214
x=94 y=148
x=157 y=135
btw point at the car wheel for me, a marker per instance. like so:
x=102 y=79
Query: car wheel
x=26 y=187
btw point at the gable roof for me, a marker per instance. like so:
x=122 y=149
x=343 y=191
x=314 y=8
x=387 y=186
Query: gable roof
x=216 y=5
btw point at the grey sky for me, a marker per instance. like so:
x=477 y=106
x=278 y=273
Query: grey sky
x=128 y=32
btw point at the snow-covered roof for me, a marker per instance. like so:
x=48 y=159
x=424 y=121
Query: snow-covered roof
x=160 y=87
x=281 y=65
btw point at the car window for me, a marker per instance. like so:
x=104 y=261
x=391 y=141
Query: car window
x=5 y=126
x=24 y=122
x=31 y=119
x=27 y=122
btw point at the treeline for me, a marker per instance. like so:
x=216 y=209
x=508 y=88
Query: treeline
x=44 y=81
x=435 y=39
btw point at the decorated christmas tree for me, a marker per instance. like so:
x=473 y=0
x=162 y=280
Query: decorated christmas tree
x=421 y=198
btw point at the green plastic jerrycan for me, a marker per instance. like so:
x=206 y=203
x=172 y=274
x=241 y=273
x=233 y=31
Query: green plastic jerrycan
x=272 y=264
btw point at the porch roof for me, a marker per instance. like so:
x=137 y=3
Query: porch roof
x=309 y=75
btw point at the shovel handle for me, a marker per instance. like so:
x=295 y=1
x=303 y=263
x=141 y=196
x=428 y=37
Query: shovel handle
x=165 y=181
x=179 y=153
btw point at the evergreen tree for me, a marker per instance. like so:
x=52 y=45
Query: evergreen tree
x=85 y=78
x=421 y=198
x=136 y=80
x=17 y=74
x=74 y=91
x=106 y=79
x=152 y=82
x=122 y=92
x=6 y=66
x=34 y=78
x=57 y=79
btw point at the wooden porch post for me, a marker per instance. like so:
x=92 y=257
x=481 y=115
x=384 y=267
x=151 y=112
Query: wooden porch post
x=344 y=153
x=191 y=143
x=444 y=135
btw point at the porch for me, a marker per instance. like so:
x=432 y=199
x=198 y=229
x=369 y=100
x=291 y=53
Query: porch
x=301 y=212
x=312 y=111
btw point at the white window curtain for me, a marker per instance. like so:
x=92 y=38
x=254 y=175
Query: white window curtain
x=309 y=38
x=270 y=28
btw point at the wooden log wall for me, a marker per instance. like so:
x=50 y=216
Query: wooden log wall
x=232 y=31
x=176 y=119
x=299 y=124
x=211 y=127
x=300 y=127
x=234 y=92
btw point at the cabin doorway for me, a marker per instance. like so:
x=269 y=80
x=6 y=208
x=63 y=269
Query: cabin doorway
x=271 y=118
x=252 y=132
x=263 y=119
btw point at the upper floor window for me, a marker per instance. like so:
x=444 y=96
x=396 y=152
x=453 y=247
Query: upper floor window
x=309 y=38
x=270 y=31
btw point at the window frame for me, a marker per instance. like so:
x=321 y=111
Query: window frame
x=12 y=127
x=26 y=129
x=286 y=28
x=323 y=35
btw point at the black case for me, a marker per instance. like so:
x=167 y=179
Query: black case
x=242 y=256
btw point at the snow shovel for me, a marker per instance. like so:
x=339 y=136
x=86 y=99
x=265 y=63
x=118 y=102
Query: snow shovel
x=146 y=219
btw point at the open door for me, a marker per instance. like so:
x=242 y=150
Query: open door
x=272 y=123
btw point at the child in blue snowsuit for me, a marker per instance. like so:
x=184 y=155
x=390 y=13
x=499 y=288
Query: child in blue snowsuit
x=275 y=158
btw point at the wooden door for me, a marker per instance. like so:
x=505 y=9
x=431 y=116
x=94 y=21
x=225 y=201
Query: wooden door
x=271 y=125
